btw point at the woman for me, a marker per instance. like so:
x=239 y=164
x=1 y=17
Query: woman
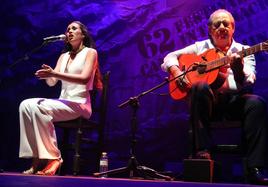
x=76 y=69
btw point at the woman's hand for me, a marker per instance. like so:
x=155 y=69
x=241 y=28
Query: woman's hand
x=45 y=72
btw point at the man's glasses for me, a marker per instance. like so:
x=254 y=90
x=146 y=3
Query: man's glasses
x=218 y=24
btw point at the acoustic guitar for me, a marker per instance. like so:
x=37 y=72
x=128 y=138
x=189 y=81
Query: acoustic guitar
x=205 y=67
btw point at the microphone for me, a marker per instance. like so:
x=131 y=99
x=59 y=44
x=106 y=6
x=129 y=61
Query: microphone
x=60 y=37
x=200 y=67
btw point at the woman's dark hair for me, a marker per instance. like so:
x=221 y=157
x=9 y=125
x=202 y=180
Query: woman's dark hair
x=88 y=40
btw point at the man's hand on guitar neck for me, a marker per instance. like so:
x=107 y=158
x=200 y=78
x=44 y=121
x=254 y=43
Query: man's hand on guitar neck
x=182 y=82
x=235 y=58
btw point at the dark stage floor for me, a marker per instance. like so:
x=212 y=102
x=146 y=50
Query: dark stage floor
x=19 y=180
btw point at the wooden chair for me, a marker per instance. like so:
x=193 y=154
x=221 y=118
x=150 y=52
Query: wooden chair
x=229 y=146
x=229 y=150
x=86 y=130
x=222 y=147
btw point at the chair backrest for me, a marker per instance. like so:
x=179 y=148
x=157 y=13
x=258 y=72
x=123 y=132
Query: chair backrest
x=102 y=109
x=99 y=97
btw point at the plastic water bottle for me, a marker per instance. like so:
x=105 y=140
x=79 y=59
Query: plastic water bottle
x=104 y=164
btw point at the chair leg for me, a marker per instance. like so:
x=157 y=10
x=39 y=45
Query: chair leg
x=64 y=147
x=76 y=158
x=245 y=169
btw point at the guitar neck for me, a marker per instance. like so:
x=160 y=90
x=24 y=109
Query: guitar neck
x=224 y=60
x=250 y=50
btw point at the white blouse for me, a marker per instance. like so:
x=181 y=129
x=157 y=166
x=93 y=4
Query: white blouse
x=73 y=91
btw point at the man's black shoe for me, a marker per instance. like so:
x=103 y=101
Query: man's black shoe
x=257 y=176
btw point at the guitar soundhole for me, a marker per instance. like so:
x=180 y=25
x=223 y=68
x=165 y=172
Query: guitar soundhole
x=201 y=69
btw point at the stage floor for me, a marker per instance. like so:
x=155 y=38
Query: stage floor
x=19 y=180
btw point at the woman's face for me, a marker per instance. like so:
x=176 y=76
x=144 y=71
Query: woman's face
x=74 y=33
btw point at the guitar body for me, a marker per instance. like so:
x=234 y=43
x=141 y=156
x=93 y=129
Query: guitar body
x=207 y=67
x=187 y=61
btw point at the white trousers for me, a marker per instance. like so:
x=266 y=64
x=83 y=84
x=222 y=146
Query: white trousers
x=37 y=132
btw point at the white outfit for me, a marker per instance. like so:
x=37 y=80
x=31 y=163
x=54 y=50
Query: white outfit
x=200 y=47
x=37 y=133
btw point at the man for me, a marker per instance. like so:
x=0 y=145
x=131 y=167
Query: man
x=229 y=96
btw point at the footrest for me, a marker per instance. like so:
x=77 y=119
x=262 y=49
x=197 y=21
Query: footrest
x=198 y=170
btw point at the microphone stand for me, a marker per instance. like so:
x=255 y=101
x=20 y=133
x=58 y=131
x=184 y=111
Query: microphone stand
x=25 y=57
x=133 y=166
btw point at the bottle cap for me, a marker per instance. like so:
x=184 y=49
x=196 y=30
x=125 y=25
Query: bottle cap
x=104 y=153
